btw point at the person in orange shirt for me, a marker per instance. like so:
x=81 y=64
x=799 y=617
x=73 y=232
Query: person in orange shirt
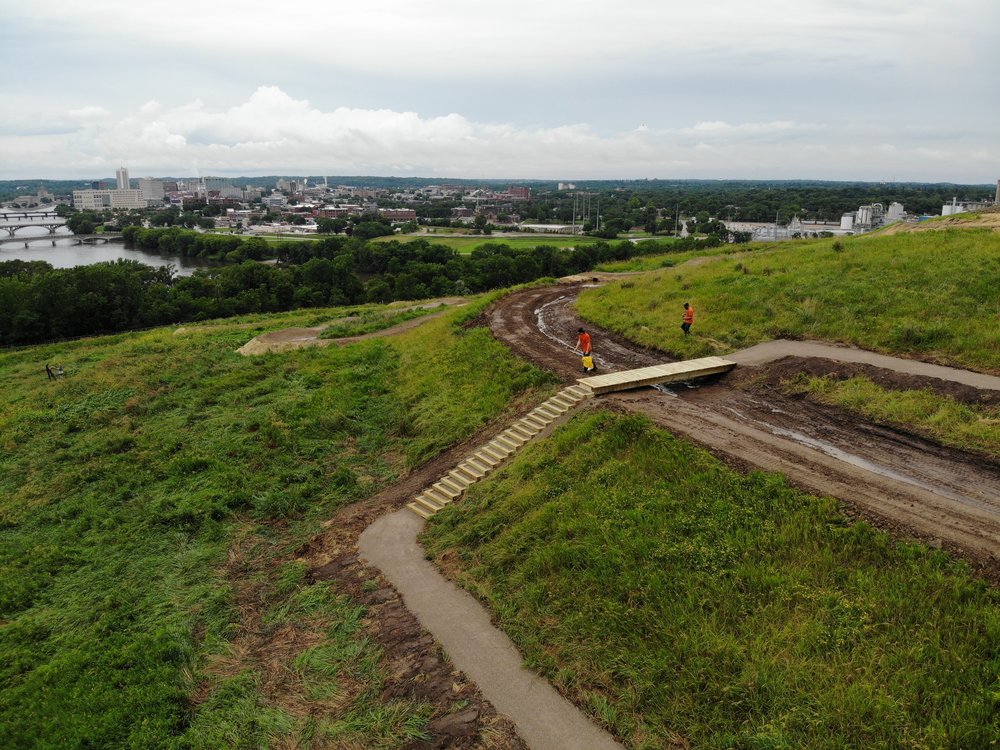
x=687 y=319
x=583 y=342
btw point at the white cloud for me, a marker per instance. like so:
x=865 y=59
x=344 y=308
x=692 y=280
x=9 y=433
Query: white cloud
x=634 y=88
x=272 y=132
x=747 y=130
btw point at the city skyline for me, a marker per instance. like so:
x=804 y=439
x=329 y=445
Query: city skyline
x=821 y=90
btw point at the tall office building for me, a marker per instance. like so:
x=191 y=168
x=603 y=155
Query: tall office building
x=122 y=175
x=152 y=189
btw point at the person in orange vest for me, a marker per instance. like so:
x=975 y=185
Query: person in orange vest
x=583 y=344
x=687 y=319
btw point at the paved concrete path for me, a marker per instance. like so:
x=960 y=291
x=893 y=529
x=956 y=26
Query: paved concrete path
x=772 y=350
x=544 y=719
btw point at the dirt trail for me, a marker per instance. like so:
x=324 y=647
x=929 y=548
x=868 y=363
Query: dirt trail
x=897 y=480
x=296 y=338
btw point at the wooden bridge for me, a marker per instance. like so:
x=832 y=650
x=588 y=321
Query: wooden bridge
x=670 y=372
x=488 y=457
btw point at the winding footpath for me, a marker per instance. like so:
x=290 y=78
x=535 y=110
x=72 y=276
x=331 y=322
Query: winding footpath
x=544 y=719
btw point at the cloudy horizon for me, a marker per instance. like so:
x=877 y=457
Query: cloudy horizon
x=825 y=90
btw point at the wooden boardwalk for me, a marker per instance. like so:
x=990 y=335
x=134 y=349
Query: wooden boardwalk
x=671 y=372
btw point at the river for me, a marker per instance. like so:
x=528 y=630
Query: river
x=66 y=254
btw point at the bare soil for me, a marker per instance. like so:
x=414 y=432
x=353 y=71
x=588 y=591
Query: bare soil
x=296 y=338
x=900 y=481
x=987 y=218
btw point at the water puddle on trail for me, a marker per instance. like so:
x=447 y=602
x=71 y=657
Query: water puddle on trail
x=862 y=463
x=544 y=329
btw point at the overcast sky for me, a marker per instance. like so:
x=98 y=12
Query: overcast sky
x=771 y=89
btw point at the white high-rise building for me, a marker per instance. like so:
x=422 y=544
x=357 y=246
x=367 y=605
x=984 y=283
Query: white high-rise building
x=122 y=175
x=98 y=200
x=152 y=189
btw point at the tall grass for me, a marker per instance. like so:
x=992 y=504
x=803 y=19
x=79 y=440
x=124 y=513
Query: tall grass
x=930 y=294
x=681 y=601
x=122 y=485
x=939 y=417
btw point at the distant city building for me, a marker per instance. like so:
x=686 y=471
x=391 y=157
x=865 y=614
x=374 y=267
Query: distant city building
x=275 y=200
x=123 y=182
x=215 y=183
x=152 y=190
x=567 y=186
x=98 y=200
x=398 y=214
x=519 y=192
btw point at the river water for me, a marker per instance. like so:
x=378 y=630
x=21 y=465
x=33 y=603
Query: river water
x=65 y=254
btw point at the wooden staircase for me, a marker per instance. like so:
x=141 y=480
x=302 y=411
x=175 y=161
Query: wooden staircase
x=488 y=457
x=484 y=460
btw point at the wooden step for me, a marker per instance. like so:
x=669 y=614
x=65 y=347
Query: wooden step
x=462 y=478
x=533 y=421
x=549 y=412
x=482 y=456
x=516 y=437
x=503 y=441
x=449 y=487
x=502 y=449
x=429 y=505
x=438 y=497
x=420 y=510
x=493 y=453
x=477 y=463
x=564 y=402
x=558 y=407
x=472 y=471
x=522 y=431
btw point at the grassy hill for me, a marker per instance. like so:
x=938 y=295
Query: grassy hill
x=126 y=485
x=687 y=605
x=930 y=294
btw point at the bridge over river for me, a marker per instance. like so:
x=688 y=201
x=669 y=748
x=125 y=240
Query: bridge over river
x=52 y=238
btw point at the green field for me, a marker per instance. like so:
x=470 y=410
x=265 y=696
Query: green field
x=127 y=485
x=686 y=605
x=926 y=294
x=466 y=244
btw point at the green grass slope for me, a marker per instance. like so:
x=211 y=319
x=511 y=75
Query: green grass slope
x=931 y=295
x=124 y=485
x=687 y=605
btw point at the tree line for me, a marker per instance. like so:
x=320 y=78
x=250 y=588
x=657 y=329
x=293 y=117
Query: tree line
x=42 y=303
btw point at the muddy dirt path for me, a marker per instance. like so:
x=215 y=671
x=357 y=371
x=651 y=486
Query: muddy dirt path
x=899 y=481
x=296 y=338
